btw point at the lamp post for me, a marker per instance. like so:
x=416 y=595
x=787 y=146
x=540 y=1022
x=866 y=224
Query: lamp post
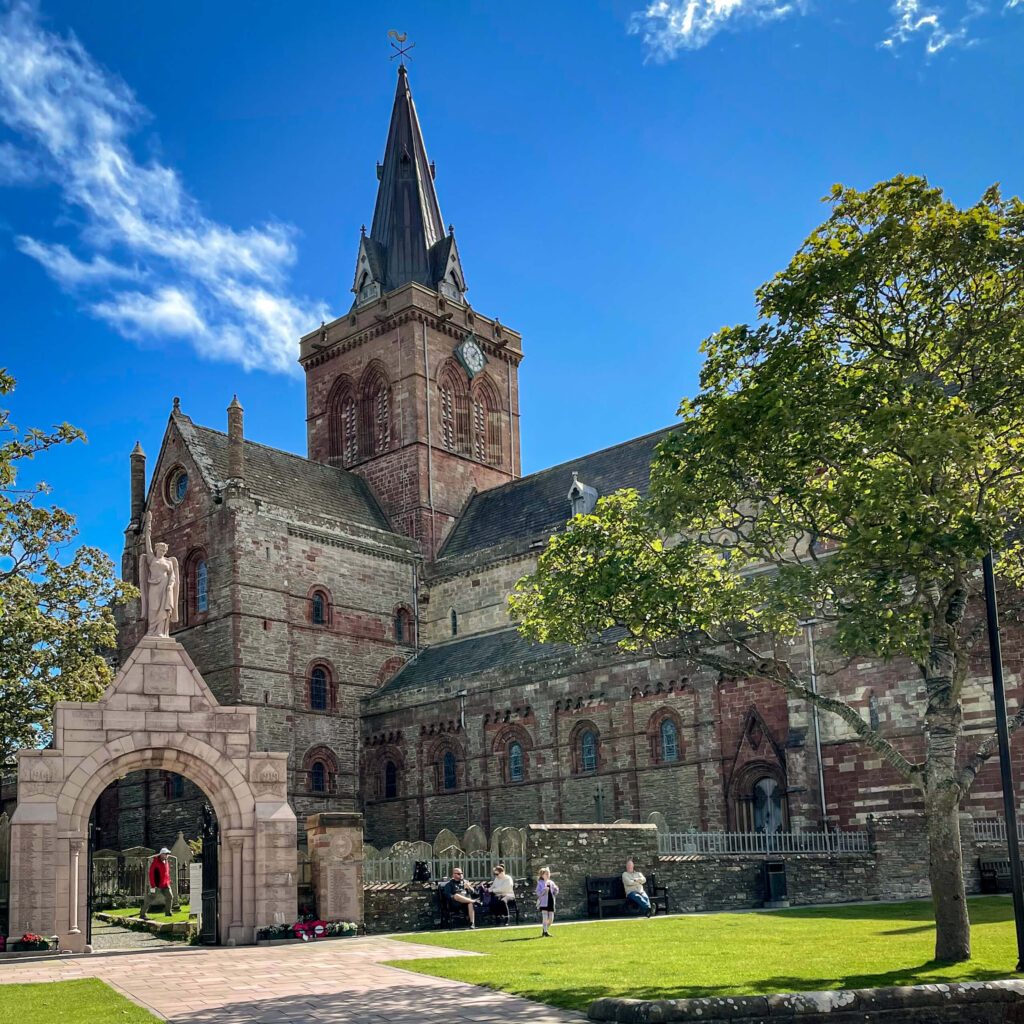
x=1003 y=736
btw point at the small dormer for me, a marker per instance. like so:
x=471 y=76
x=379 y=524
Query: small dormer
x=368 y=283
x=582 y=498
x=447 y=268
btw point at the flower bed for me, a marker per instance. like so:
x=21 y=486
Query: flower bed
x=305 y=931
x=28 y=945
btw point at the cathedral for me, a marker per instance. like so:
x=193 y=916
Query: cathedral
x=356 y=595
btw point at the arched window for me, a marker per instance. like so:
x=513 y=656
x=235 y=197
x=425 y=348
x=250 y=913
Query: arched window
x=767 y=806
x=588 y=752
x=390 y=780
x=375 y=396
x=318 y=611
x=343 y=423
x=455 y=421
x=455 y=623
x=449 y=770
x=486 y=423
x=669 y=744
x=202 y=601
x=318 y=778
x=318 y=689
x=515 y=763
x=403 y=626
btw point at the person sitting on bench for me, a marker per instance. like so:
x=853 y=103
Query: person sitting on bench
x=633 y=883
x=461 y=894
x=502 y=891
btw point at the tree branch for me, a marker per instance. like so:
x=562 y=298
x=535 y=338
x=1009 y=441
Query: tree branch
x=969 y=772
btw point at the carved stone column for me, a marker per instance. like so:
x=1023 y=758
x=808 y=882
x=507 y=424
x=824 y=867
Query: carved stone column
x=76 y=854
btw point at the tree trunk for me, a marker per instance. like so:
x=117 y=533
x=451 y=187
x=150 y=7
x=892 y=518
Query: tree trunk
x=946 y=874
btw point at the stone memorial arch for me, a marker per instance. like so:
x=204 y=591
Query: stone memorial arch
x=158 y=713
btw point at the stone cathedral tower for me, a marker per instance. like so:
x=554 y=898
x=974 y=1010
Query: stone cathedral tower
x=413 y=389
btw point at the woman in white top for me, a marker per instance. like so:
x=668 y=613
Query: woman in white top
x=502 y=892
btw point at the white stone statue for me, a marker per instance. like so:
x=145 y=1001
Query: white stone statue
x=158 y=583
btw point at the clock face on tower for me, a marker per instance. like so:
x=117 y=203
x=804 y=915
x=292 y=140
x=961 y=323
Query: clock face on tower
x=471 y=355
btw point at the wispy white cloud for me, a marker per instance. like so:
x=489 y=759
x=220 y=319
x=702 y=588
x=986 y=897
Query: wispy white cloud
x=224 y=290
x=915 y=19
x=670 y=26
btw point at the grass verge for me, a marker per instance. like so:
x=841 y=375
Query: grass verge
x=87 y=1001
x=156 y=913
x=804 y=949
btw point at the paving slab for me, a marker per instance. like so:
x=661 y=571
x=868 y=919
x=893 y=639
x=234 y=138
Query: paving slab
x=339 y=981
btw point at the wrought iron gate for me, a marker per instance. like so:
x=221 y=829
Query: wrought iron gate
x=209 y=930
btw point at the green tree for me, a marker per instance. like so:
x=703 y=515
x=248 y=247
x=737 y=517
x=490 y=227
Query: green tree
x=55 y=611
x=848 y=460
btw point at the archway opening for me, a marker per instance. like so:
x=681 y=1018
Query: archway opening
x=135 y=817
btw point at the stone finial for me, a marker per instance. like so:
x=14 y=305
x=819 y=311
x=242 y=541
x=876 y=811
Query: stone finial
x=177 y=404
x=138 y=482
x=236 y=441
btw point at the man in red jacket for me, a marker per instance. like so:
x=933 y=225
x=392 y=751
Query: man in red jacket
x=159 y=881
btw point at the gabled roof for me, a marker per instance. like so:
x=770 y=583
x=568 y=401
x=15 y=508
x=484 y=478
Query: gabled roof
x=536 y=506
x=283 y=479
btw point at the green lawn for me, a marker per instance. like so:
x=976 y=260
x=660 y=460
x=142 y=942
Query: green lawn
x=807 y=949
x=156 y=913
x=88 y=1001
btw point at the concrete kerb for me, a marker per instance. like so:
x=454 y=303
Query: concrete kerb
x=990 y=1001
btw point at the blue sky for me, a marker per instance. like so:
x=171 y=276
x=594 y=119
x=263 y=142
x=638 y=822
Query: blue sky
x=182 y=185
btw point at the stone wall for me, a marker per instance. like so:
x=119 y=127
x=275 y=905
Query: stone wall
x=400 y=907
x=574 y=851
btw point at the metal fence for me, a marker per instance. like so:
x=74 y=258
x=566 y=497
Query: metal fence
x=719 y=843
x=476 y=867
x=993 y=830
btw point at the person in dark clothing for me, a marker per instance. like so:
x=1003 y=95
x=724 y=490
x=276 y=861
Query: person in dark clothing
x=461 y=893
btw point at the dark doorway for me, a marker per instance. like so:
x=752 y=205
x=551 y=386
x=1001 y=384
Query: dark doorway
x=209 y=931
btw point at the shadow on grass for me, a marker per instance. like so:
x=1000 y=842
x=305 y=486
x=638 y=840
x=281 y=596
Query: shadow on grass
x=579 y=998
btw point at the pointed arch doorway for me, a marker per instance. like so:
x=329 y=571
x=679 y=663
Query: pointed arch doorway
x=157 y=714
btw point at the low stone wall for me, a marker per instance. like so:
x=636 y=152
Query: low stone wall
x=399 y=907
x=574 y=851
x=974 y=1002
x=895 y=869
x=737 y=882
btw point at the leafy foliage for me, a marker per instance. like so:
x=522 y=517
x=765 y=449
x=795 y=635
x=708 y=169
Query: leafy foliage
x=848 y=460
x=55 y=606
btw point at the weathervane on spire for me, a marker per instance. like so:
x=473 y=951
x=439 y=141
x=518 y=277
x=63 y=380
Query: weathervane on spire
x=401 y=51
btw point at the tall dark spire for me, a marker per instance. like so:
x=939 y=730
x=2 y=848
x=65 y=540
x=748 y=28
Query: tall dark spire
x=407 y=240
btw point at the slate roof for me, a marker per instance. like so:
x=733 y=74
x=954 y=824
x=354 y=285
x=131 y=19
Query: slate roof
x=457 y=659
x=407 y=216
x=536 y=506
x=286 y=480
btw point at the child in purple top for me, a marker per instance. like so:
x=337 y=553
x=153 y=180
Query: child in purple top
x=546 y=893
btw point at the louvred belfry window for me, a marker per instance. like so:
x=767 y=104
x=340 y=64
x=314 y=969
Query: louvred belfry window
x=462 y=431
x=350 y=431
x=383 y=424
x=447 y=418
x=479 y=429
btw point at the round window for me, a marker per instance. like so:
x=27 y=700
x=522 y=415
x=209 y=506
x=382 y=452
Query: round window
x=177 y=485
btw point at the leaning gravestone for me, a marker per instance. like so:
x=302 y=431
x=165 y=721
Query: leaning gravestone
x=657 y=818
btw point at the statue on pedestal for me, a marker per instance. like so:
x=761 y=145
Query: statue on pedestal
x=159 y=580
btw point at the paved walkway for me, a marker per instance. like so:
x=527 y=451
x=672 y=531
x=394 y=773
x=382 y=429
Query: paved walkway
x=339 y=981
x=106 y=936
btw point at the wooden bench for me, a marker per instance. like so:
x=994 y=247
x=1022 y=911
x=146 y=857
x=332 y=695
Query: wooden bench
x=608 y=895
x=455 y=915
x=995 y=875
